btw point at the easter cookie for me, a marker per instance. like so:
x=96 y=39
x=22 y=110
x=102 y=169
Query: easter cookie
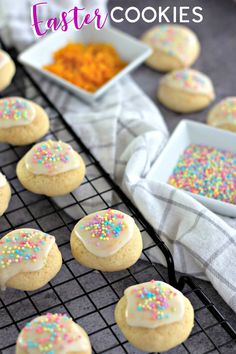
x=154 y=316
x=22 y=122
x=223 y=114
x=108 y=240
x=185 y=91
x=51 y=168
x=5 y=194
x=53 y=334
x=29 y=259
x=174 y=47
x=7 y=70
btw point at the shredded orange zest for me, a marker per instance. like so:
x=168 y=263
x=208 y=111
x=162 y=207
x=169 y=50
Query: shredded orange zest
x=88 y=66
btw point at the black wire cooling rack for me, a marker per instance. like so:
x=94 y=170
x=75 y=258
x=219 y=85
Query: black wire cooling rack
x=89 y=296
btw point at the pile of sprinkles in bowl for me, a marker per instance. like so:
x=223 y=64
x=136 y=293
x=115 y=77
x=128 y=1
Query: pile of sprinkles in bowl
x=107 y=226
x=206 y=171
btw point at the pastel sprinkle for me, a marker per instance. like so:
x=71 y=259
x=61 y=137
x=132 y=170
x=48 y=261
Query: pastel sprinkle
x=206 y=171
x=22 y=246
x=48 y=334
x=174 y=40
x=228 y=106
x=224 y=111
x=107 y=226
x=50 y=153
x=189 y=80
x=155 y=299
x=15 y=109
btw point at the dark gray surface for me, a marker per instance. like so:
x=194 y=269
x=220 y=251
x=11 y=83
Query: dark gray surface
x=217 y=34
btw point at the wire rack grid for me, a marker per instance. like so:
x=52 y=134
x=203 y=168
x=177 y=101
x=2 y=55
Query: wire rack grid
x=89 y=296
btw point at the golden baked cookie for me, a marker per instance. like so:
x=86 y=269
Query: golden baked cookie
x=22 y=122
x=29 y=259
x=154 y=316
x=174 y=47
x=51 y=168
x=54 y=334
x=5 y=194
x=107 y=240
x=223 y=114
x=7 y=70
x=186 y=91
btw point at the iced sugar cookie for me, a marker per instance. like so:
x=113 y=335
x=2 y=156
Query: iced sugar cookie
x=7 y=70
x=185 y=91
x=154 y=316
x=22 y=122
x=174 y=47
x=223 y=114
x=5 y=194
x=53 y=334
x=107 y=240
x=29 y=259
x=52 y=168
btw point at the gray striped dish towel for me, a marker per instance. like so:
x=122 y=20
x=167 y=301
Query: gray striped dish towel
x=126 y=132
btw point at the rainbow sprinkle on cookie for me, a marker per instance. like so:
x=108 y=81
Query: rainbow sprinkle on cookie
x=49 y=153
x=51 y=158
x=174 y=40
x=189 y=80
x=96 y=229
x=228 y=107
x=49 y=334
x=206 y=171
x=15 y=109
x=155 y=300
x=224 y=112
x=153 y=304
x=22 y=246
x=107 y=226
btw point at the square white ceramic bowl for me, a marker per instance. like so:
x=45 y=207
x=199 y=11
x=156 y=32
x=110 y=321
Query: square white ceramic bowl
x=129 y=48
x=186 y=133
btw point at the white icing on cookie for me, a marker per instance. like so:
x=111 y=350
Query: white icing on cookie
x=153 y=304
x=23 y=250
x=51 y=158
x=4 y=58
x=54 y=334
x=16 y=111
x=224 y=112
x=105 y=232
x=189 y=80
x=175 y=40
x=3 y=180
